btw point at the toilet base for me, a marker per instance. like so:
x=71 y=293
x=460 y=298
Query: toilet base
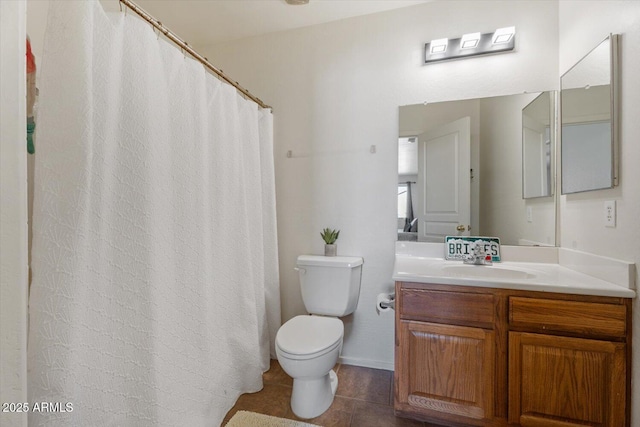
x=311 y=397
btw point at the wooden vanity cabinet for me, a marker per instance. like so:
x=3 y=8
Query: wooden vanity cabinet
x=468 y=356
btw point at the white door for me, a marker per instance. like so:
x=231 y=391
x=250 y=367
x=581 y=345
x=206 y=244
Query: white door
x=444 y=181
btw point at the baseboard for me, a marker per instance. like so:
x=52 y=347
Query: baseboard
x=366 y=363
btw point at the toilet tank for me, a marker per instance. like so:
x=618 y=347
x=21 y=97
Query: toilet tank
x=330 y=286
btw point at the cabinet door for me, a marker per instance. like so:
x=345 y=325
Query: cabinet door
x=559 y=381
x=445 y=372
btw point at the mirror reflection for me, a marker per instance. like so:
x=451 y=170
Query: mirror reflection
x=588 y=142
x=537 y=118
x=460 y=173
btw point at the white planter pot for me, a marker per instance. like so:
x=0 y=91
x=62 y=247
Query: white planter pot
x=330 y=250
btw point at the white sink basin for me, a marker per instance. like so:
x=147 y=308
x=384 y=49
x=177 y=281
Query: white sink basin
x=486 y=272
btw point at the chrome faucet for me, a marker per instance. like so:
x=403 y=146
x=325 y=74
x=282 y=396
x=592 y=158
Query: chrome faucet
x=477 y=255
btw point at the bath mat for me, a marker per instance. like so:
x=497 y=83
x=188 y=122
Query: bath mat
x=252 y=419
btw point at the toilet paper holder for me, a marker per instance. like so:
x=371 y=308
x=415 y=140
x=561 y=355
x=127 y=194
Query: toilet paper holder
x=386 y=301
x=390 y=304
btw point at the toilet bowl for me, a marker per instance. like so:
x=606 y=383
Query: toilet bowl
x=308 y=348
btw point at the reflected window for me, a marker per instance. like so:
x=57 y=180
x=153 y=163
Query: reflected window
x=402 y=203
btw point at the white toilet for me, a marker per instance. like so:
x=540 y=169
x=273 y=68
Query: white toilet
x=308 y=346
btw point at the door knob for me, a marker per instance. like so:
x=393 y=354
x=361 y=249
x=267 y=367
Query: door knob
x=460 y=227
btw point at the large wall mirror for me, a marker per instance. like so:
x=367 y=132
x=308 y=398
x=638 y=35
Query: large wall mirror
x=460 y=172
x=588 y=116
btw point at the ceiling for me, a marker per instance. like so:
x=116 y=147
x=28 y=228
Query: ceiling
x=206 y=22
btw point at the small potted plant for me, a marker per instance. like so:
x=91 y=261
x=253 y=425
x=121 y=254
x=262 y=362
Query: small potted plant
x=330 y=236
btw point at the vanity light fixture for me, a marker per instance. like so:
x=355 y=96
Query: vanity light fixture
x=470 y=41
x=472 y=44
x=503 y=35
x=438 y=46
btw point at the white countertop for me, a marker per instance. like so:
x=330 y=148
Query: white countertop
x=529 y=276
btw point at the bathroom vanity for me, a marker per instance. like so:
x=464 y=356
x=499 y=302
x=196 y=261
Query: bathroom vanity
x=532 y=344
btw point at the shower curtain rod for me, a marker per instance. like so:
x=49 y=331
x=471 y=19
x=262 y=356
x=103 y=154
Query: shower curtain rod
x=185 y=46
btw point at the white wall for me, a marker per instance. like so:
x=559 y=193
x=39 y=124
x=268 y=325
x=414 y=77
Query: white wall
x=13 y=209
x=335 y=89
x=583 y=24
x=37 y=12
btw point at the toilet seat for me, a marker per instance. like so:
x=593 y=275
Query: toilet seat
x=308 y=337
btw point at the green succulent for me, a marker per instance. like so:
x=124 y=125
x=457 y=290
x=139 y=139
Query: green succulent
x=329 y=236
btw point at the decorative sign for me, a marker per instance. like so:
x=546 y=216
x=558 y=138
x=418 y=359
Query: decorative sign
x=458 y=247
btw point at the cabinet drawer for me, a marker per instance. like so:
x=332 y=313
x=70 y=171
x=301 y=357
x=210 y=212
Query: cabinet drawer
x=584 y=318
x=456 y=308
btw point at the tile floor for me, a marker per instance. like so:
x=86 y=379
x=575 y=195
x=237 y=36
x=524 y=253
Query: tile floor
x=364 y=399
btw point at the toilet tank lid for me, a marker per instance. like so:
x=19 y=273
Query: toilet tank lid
x=330 y=261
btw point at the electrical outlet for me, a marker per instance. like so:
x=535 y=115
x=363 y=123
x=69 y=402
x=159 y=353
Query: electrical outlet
x=529 y=214
x=610 y=213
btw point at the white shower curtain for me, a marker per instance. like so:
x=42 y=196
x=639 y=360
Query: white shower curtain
x=155 y=291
